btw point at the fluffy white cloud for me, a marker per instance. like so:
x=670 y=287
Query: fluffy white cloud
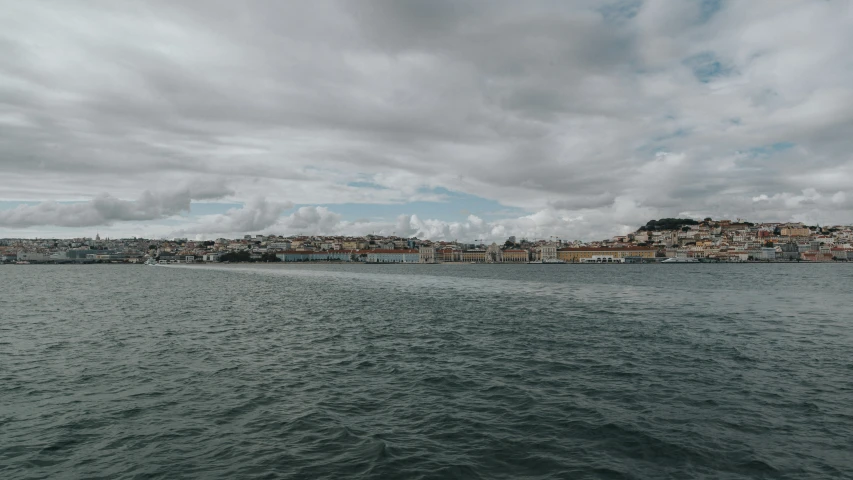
x=318 y=220
x=311 y=220
x=256 y=215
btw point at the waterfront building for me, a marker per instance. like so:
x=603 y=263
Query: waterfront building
x=816 y=257
x=393 y=256
x=293 y=256
x=577 y=254
x=447 y=255
x=32 y=257
x=603 y=259
x=839 y=253
x=426 y=254
x=515 y=256
x=474 y=256
x=789 y=251
x=325 y=256
x=738 y=256
x=548 y=253
x=494 y=254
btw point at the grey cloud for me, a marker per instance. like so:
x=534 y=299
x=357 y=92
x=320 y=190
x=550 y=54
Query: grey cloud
x=312 y=218
x=255 y=215
x=539 y=105
x=105 y=209
x=578 y=202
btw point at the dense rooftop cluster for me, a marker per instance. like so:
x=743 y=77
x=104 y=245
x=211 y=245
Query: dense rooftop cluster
x=707 y=240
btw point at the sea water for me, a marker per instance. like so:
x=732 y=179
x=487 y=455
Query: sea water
x=426 y=371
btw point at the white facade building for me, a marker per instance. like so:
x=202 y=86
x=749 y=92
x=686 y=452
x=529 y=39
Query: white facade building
x=426 y=254
x=548 y=252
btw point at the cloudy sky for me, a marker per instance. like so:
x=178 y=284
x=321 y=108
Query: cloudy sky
x=441 y=119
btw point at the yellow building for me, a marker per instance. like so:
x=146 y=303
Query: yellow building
x=515 y=256
x=576 y=255
x=478 y=256
x=448 y=255
x=795 y=232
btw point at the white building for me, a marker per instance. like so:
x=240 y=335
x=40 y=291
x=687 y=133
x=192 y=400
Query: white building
x=767 y=253
x=548 y=252
x=393 y=256
x=32 y=257
x=426 y=254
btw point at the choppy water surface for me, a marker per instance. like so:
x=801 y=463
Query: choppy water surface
x=286 y=371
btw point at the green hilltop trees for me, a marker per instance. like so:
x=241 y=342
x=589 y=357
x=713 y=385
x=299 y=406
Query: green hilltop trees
x=667 y=224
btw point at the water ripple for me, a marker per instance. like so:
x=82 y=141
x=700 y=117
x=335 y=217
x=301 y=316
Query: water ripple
x=426 y=372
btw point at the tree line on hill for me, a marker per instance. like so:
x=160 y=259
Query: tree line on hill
x=667 y=224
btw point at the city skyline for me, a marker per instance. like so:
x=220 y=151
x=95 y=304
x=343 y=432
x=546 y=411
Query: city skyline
x=440 y=120
x=674 y=240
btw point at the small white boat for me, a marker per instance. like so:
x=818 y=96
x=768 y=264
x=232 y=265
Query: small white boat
x=680 y=260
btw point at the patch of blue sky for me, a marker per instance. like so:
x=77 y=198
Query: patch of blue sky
x=766 y=150
x=678 y=133
x=651 y=149
x=709 y=8
x=659 y=143
x=364 y=184
x=707 y=66
x=620 y=11
x=10 y=204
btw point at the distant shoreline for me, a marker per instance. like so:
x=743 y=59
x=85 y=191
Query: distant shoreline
x=322 y=263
